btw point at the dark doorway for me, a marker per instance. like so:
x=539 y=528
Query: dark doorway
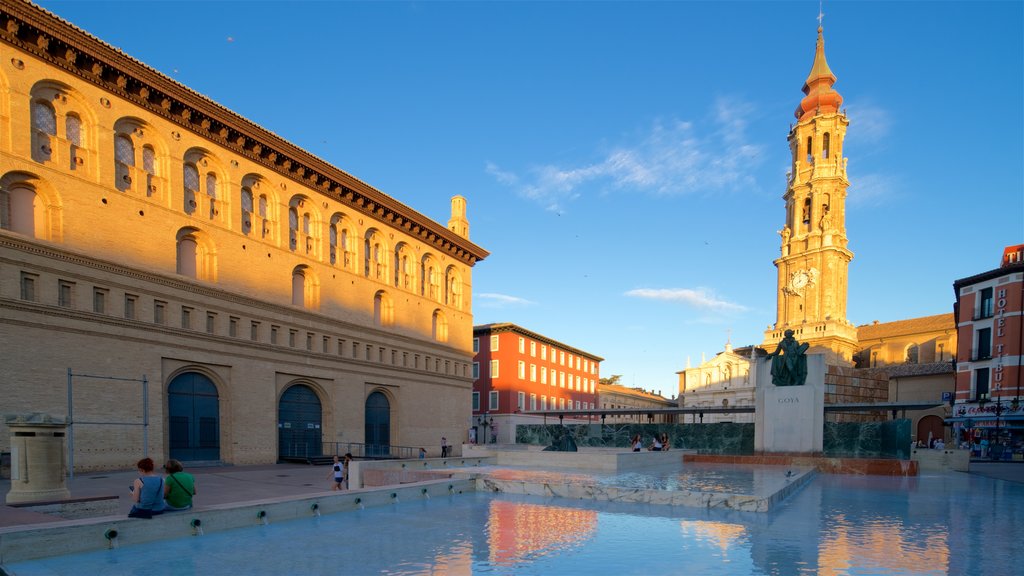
x=299 y=418
x=193 y=412
x=378 y=426
x=930 y=429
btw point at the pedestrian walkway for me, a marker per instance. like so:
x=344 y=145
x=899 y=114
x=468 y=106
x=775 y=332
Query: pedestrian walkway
x=214 y=486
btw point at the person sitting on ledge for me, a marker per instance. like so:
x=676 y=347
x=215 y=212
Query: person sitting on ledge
x=656 y=445
x=179 y=486
x=147 y=491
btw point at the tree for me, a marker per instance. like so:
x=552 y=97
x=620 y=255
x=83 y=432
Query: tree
x=611 y=380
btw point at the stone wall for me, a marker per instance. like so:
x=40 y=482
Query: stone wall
x=852 y=386
x=889 y=439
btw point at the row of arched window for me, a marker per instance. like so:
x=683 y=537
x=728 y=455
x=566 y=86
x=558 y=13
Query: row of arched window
x=65 y=135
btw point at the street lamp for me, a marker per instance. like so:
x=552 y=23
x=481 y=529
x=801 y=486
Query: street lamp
x=482 y=420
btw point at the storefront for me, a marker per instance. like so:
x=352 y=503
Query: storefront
x=993 y=430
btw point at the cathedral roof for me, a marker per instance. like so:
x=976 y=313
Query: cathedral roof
x=821 y=98
x=910 y=326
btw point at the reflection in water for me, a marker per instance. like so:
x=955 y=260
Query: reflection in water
x=721 y=534
x=519 y=532
x=882 y=544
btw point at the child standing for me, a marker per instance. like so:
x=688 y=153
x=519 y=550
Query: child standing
x=338 y=471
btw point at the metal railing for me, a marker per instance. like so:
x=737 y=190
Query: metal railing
x=370 y=451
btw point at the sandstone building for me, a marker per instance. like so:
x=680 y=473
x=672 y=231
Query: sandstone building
x=191 y=285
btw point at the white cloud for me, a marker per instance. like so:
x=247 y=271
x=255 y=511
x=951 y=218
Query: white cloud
x=871 y=190
x=700 y=298
x=672 y=157
x=492 y=300
x=869 y=124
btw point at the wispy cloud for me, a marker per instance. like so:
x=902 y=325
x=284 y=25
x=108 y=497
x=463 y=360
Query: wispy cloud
x=871 y=190
x=869 y=124
x=492 y=300
x=671 y=157
x=700 y=298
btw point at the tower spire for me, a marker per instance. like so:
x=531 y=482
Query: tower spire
x=820 y=97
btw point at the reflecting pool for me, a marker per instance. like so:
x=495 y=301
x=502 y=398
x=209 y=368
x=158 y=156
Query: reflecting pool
x=949 y=523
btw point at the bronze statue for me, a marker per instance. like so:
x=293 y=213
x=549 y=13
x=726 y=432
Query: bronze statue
x=789 y=362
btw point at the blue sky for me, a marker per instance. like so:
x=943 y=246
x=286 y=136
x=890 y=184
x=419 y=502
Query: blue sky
x=624 y=163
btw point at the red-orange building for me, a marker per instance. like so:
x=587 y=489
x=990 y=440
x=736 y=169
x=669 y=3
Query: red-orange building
x=517 y=371
x=987 y=408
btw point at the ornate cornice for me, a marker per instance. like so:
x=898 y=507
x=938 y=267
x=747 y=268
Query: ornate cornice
x=42 y=34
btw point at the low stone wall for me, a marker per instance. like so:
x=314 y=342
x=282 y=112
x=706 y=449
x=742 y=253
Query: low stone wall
x=368 y=473
x=74 y=508
x=889 y=439
x=824 y=464
x=930 y=460
x=74 y=536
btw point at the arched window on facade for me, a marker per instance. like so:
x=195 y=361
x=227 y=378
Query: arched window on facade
x=299 y=286
x=247 y=210
x=44 y=131
x=911 y=354
x=439 y=326
x=29 y=207
x=375 y=258
x=149 y=168
x=430 y=279
x=340 y=241
x=453 y=288
x=59 y=128
x=188 y=256
x=810 y=150
x=301 y=236
x=191 y=188
x=73 y=132
x=404 y=268
x=825 y=145
x=124 y=162
x=211 y=195
x=18 y=208
x=201 y=185
x=265 y=220
x=806 y=213
x=134 y=147
x=195 y=255
x=383 y=309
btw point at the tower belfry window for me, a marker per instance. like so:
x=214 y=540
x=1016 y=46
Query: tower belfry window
x=806 y=214
x=824 y=145
x=810 y=149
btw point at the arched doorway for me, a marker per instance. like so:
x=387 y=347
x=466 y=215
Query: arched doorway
x=378 y=425
x=193 y=410
x=930 y=428
x=299 y=417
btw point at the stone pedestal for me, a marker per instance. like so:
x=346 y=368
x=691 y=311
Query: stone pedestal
x=37 y=459
x=790 y=418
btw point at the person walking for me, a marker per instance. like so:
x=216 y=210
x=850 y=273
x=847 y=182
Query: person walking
x=444 y=447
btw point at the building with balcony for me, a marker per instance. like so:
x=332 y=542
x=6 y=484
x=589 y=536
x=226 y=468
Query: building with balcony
x=987 y=410
x=516 y=372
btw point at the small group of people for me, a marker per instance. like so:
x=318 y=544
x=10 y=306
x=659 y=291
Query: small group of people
x=154 y=494
x=660 y=443
x=339 y=471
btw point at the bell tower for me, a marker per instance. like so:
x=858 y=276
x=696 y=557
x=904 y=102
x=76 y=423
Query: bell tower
x=814 y=265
